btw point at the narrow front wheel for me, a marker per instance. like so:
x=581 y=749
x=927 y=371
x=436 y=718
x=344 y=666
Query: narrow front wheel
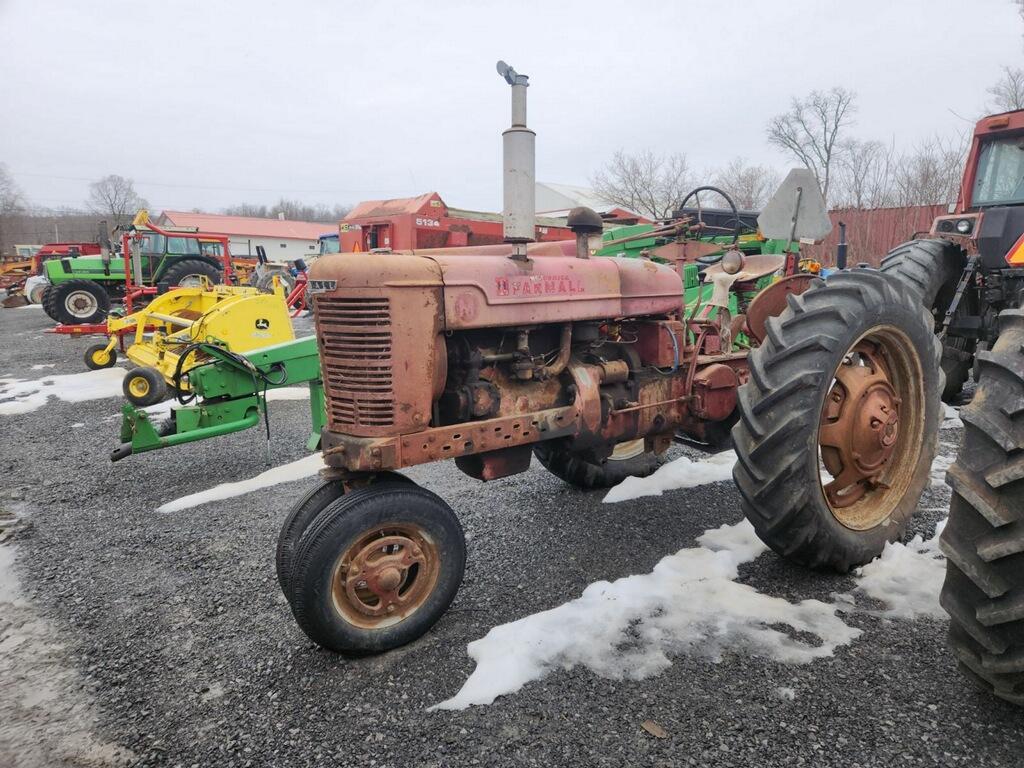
x=377 y=568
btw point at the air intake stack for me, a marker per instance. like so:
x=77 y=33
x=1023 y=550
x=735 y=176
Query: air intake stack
x=519 y=160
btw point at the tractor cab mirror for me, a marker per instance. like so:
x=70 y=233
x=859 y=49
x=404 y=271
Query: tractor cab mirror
x=797 y=210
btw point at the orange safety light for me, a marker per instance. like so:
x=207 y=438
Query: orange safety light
x=1015 y=256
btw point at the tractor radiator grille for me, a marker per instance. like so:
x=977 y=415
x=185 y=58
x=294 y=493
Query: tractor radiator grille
x=355 y=344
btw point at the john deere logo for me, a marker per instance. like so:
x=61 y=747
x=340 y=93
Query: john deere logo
x=262 y=324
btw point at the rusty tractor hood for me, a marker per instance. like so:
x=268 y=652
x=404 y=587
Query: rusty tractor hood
x=483 y=288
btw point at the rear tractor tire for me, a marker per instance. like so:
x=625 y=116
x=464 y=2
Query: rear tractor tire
x=838 y=421
x=144 y=386
x=97 y=357
x=77 y=301
x=932 y=268
x=984 y=537
x=377 y=568
x=629 y=459
x=190 y=273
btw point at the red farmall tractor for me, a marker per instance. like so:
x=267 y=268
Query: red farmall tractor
x=969 y=272
x=492 y=355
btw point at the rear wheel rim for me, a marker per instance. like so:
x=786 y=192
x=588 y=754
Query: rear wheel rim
x=192 y=281
x=871 y=429
x=386 y=574
x=81 y=304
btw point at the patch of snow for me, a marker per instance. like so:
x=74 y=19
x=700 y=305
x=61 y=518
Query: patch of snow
x=285 y=473
x=46 y=715
x=24 y=396
x=680 y=473
x=786 y=694
x=77 y=425
x=939 y=467
x=41 y=366
x=907 y=577
x=690 y=603
x=288 y=393
x=950 y=417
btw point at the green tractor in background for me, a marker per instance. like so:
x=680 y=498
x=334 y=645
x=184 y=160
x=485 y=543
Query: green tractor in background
x=81 y=289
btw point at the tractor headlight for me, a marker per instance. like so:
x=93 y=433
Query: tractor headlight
x=964 y=226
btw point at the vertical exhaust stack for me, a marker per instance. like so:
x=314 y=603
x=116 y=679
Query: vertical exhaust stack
x=519 y=161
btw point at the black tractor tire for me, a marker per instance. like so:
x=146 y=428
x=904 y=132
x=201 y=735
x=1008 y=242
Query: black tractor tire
x=984 y=536
x=584 y=473
x=932 y=269
x=48 y=303
x=189 y=270
x=144 y=386
x=778 y=469
x=97 y=357
x=320 y=609
x=304 y=512
x=78 y=301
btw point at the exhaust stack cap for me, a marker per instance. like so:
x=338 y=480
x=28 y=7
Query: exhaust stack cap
x=585 y=223
x=519 y=163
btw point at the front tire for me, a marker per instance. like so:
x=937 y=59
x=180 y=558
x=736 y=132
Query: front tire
x=984 y=537
x=97 y=357
x=932 y=269
x=303 y=513
x=838 y=421
x=377 y=568
x=144 y=386
x=629 y=459
x=77 y=302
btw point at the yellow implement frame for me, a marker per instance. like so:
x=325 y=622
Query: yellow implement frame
x=234 y=318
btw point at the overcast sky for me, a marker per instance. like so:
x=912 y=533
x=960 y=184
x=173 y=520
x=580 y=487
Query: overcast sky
x=205 y=104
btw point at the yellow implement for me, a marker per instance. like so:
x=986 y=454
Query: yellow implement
x=232 y=318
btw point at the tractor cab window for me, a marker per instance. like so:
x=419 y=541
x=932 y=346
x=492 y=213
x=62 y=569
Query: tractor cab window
x=330 y=245
x=1000 y=179
x=211 y=249
x=182 y=246
x=152 y=243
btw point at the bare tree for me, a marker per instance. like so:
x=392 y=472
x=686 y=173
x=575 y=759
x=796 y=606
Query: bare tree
x=11 y=200
x=812 y=129
x=863 y=177
x=291 y=210
x=649 y=184
x=115 y=197
x=1008 y=92
x=11 y=204
x=749 y=186
x=930 y=175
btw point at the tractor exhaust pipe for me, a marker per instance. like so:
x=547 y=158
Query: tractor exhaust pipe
x=519 y=168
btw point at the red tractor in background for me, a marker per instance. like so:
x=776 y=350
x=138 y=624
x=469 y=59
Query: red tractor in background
x=969 y=273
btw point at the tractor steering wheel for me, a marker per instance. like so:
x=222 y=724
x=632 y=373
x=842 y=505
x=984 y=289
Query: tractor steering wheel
x=737 y=224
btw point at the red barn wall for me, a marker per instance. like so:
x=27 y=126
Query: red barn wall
x=873 y=233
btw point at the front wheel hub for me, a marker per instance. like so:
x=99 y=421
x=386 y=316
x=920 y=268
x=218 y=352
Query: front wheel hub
x=385 y=575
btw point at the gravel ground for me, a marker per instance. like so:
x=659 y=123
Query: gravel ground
x=165 y=639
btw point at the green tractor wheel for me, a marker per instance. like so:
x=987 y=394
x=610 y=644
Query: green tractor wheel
x=144 y=386
x=97 y=357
